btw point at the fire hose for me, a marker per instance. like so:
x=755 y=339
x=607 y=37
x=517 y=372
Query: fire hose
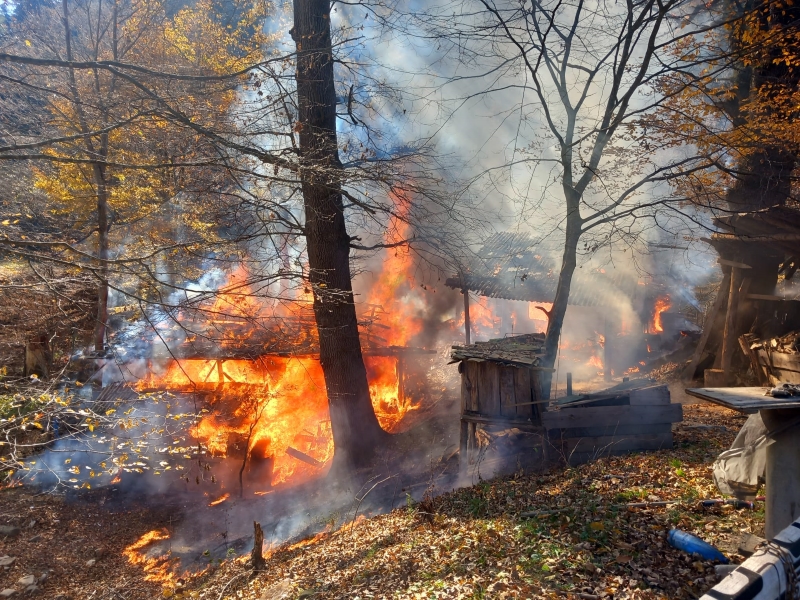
x=771 y=573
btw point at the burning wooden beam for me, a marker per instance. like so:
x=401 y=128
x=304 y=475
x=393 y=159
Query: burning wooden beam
x=303 y=457
x=255 y=353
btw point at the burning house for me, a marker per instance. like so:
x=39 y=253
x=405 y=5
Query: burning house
x=254 y=367
x=614 y=320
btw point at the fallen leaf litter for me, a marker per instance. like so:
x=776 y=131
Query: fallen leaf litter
x=468 y=543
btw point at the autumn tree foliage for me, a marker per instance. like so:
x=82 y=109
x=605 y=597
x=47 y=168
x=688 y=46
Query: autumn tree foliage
x=183 y=137
x=122 y=92
x=737 y=105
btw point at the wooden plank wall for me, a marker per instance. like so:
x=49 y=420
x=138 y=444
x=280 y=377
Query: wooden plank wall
x=579 y=434
x=779 y=367
x=497 y=397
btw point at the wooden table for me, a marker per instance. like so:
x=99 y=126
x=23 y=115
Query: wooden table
x=781 y=416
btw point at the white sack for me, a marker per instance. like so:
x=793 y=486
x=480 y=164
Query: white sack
x=740 y=471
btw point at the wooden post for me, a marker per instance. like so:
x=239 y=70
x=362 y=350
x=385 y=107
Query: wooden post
x=569 y=384
x=256 y=557
x=465 y=291
x=606 y=350
x=708 y=326
x=782 y=505
x=730 y=338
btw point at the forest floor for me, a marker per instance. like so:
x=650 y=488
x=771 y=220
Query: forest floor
x=469 y=543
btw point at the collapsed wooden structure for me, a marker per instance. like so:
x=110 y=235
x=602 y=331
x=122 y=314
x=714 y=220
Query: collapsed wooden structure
x=502 y=405
x=754 y=248
x=513 y=266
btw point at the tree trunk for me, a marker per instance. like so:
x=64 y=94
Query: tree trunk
x=355 y=428
x=256 y=557
x=559 y=310
x=100 y=177
x=102 y=255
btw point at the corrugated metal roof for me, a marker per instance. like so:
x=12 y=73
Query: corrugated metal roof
x=515 y=267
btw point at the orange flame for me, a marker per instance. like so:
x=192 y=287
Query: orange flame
x=269 y=405
x=397 y=300
x=534 y=312
x=482 y=319
x=156 y=569
x=219 y=500
x=265 y=407
x=662 y=304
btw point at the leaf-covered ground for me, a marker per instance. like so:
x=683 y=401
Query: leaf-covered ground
x=473 y=542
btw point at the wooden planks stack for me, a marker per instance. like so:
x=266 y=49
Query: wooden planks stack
x=639 y=419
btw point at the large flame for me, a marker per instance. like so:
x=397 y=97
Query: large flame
x=274 y=410
x=264 y=408
x=662 y=305
x=394 y=305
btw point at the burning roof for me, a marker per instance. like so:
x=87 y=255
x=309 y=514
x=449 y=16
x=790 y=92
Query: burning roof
x=516 y=351
x=515 y=267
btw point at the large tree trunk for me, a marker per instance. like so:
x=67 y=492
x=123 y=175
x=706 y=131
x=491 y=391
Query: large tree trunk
x=355 y=428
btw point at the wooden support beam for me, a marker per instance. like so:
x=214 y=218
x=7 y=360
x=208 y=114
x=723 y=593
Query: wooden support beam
x=465 y=291
x=612 y=415
x=606 y=350
x=730 y=339
x=733 y=263
x=771 y=298
x=303 y=457
x=708 y=326
x=401 y=387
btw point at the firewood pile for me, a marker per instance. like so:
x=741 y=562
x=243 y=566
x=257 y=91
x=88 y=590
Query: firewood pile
x=773 y=361
x=788 y=343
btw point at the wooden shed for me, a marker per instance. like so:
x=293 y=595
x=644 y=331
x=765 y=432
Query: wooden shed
x=501 y=392
x=502 y=408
